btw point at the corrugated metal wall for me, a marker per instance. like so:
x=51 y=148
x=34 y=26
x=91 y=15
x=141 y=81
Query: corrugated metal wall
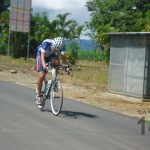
x=127 y=65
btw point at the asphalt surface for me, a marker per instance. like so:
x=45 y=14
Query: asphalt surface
x=79 y=126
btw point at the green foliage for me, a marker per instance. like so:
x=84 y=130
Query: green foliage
x=106 y=16
x=4 y=32
x=4 y=4
x=117 y=16
x=3 y=49
x=64 y=25
x=93 y=55
x=3 y=42
x=146 y=20
x=42 y=28
x=72 y=52
x=18 y=48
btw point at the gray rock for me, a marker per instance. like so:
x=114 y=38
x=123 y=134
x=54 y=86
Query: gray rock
x=13 y=71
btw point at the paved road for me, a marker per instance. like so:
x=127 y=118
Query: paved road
x=78 y=127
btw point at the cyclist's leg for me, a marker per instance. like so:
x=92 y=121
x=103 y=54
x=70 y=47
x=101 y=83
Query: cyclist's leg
x=55 y=60
x=41 y=76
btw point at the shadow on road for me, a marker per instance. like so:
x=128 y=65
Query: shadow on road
x=75 y=115
x=46 y=110
x=71 y=114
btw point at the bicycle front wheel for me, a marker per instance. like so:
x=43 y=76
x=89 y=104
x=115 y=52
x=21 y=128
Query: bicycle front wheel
x=56 y=97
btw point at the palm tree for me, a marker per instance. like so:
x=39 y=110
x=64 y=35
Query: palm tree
x=64 y=25
x=78 y=30
x=53 y=29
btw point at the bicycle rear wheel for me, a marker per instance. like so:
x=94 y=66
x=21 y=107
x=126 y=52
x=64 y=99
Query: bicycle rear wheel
x=56 y=97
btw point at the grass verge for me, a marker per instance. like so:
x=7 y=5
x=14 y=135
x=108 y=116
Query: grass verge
x=85 y=73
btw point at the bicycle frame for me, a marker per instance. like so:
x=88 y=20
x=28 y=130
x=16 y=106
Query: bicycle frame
x=51 y=81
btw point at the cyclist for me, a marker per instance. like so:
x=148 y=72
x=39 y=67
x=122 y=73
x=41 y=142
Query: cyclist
x=47 y=52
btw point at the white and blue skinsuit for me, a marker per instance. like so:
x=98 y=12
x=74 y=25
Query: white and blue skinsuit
x=46 y=47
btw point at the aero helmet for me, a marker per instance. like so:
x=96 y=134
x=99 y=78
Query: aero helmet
x=58 y=43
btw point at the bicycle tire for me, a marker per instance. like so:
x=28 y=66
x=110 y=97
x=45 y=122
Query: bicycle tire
x=42 y=98
x=56 y=97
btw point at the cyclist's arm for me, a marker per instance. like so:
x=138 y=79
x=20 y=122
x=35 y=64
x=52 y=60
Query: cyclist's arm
x=63 y=58
x=63 y=55
x=67 y=68
x=43 y=59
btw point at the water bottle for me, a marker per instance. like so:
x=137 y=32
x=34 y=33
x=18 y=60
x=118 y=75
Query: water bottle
x=47 y=86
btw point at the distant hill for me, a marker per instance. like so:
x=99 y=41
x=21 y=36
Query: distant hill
x=84 y=44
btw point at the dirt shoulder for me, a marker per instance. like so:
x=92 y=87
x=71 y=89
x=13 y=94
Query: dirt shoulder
x=93 y=96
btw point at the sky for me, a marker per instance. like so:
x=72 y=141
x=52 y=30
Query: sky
x=76 y=8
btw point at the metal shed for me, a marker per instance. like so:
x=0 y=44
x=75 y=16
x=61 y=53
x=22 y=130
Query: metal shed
x=129 y=72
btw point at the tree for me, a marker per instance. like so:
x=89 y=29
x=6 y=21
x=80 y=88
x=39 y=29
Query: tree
x=19 y=43
x=40 y=27
x=78 y=31
x=4 y=4
x=4 y=29
x=117 y=16
x=64 y=25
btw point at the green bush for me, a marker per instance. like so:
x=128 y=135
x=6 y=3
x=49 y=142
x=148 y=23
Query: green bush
x=72 y=52
x=3 y=49
x=93 y=55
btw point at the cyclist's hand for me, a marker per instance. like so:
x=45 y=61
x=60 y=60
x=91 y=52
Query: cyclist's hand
x=45 y=70
x=67 y=70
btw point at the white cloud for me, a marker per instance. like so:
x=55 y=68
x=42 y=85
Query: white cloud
x=76 y=8
x=58 y=4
